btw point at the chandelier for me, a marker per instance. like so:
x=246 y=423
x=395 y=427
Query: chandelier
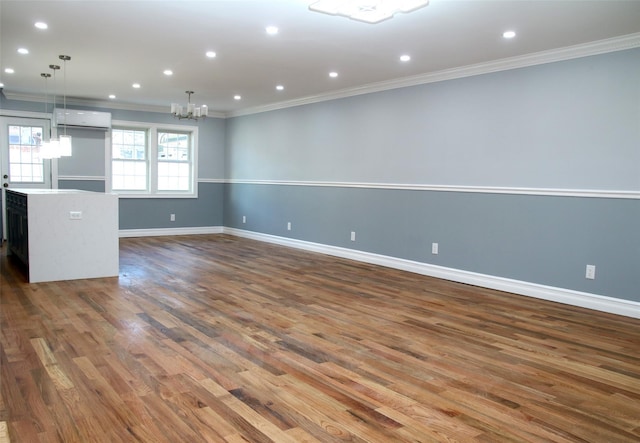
x=368 y=11
x=191 y=112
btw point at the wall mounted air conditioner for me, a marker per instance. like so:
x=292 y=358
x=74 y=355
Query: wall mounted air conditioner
x=76 y=118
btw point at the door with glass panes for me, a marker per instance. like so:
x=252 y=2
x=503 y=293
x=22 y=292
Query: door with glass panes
x=21 y=165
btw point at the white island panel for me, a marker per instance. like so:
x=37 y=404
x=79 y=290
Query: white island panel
x=72 y=234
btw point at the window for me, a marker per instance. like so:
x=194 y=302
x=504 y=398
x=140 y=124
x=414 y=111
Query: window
x=174 y=157
x=25 y=164
x=129 y=160
x=152 y=160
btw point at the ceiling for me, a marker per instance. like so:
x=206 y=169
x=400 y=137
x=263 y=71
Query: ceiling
x=114 y=44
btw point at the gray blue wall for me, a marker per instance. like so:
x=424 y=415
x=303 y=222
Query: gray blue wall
x=467 y=163
x=540 y=239
x=85 y=170
x=568 y=127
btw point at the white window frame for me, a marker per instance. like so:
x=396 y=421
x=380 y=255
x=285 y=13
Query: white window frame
x=152 y=130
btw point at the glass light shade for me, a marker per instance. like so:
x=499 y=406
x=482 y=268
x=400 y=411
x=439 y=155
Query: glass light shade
x=50 y=149
x=54 y=146
x=65 y=145
x=45 y=150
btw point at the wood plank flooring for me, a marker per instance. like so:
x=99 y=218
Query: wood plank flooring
x=221 y=339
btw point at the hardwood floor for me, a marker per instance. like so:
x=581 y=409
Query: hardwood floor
x=223 y=339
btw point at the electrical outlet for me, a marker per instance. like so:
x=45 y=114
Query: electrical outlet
x=434 y=248
x=244 y=219
x=288 y=226
x=172 y=217
x=75 y=215
x=353 y=235
x=591 y=272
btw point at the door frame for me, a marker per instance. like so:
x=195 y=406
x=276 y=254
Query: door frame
x=8 y=113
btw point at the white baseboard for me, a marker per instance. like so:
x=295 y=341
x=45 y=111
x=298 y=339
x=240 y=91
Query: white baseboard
x=160 y=232
x=566 y=296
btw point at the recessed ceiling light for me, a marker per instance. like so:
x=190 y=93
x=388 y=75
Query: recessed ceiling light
x=23 y=51
x=237 y=97
x=167 y=72
x=211 y=54
x=272 y=30
x=509 y=34
x=41 y=25
x=280 y=88
x=136 y=85
x=1 y=85
x=405 y=58
x=333 y=74
x=9 y=70
x=112 y=96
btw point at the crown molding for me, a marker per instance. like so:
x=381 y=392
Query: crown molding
x=107 y=105
x=622 y=43
x=25 y=114
x=615 y=44
x=85 y=102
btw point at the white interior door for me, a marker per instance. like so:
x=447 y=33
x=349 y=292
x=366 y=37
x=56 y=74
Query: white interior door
x=20 y=163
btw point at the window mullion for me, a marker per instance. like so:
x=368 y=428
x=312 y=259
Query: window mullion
x=152 y=162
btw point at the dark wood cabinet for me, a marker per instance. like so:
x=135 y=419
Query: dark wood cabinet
x=17 y=226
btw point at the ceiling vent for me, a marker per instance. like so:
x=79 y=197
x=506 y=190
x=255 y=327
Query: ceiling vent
x=76 y=118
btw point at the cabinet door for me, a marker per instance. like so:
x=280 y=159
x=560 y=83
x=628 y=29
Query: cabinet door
x=17 y=226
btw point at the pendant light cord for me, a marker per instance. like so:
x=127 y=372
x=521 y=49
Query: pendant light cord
x=65 y=59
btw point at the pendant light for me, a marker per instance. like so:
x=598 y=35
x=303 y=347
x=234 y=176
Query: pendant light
x=65 y=140
x=52 y=149
x=45 y=145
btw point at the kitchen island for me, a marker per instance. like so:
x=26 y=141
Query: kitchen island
x=63 y=234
